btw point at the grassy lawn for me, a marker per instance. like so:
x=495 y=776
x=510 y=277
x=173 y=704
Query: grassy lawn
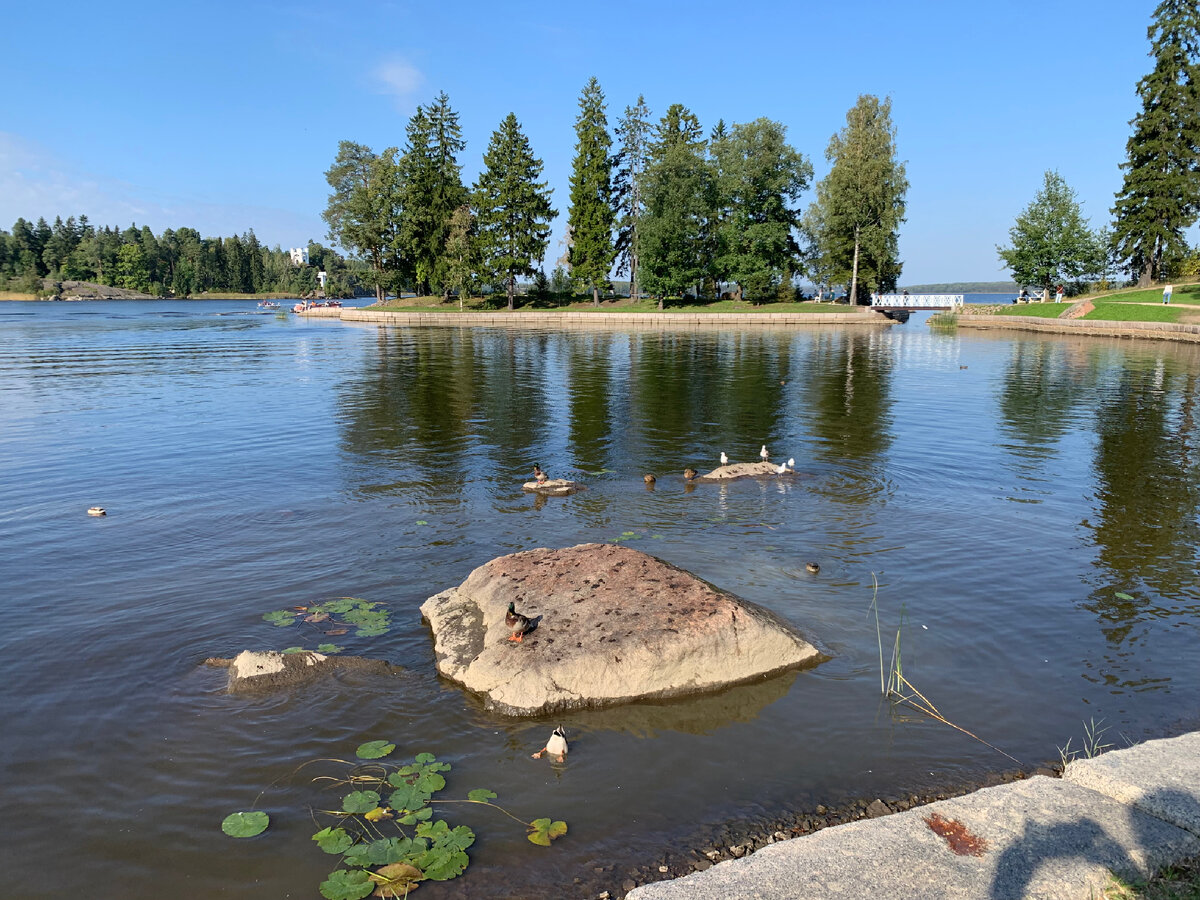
x=1125 y=312
x=624 y=305
x=1184 y=293
x=1041 y=310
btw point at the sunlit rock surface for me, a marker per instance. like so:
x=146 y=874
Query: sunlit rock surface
x=743 y=470
x=268 y=670
x=555 y=487
x=611 y=625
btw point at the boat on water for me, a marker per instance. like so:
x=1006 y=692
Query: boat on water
x=267 y=304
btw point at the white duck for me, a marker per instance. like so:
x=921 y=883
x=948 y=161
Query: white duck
x=556 y=746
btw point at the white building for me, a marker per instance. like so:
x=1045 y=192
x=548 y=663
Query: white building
x=299 y=256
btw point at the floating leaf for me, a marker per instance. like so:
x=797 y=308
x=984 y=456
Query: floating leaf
x=280 y=617
x=424 y=759
x=334 y=632
x=333 y=840
x=360 y=801
x=481 y=795
x=378 y=814
x=422 y=522
x=343 y=885
x=408 y=797
x=336 y=607
x=1121 y=595
x=396 y=880
x=543 y=831
x=374 y=749
x=245 y=824
x=440 y=864
x=421 y=815
x=329 y=648
x=370 y=631
x=317 y=617
x=294 y=650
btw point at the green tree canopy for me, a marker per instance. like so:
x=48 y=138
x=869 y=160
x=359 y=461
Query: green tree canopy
x=633 y=130
x=860 y=204
x=591 y=216
x=1051 y=241
x=1160 y=194
x=513 y=207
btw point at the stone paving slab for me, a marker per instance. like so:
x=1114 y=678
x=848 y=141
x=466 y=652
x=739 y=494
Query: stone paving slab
x=1045 y=839
x=1160 y=777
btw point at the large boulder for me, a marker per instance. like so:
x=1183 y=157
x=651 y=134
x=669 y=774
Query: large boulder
x=611 y=625
x=734 y=471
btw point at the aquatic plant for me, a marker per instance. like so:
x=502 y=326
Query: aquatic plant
x=384 y=831
x=336 y=617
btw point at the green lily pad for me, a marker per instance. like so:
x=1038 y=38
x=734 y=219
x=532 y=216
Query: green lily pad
x=329 y=649
x=333 y=840
x=543 y=831
x=294 y=650
x=422 y=522
x=442 y=864
x=344 y=885
x=281 y=617
x=424 y=814
x=1121 y=595
x=374 y=749
x=481 y=795
x=424 y=759
x=360 y=801
x=245 y=824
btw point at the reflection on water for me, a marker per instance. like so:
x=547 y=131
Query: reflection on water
x=1030 y=504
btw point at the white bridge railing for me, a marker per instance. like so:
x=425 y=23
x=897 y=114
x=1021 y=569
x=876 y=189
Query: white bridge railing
x=921 y=300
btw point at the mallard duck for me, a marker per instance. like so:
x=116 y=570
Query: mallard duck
x=556 y=746
x=519 y=624
x=689 y=473
x=649 y=479
x=724 y=459
x=812 y=567
x=97 y=511
x=764 y=454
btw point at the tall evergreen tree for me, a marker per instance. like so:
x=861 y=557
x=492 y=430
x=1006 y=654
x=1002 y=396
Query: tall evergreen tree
x=760 y=177
x=433 y=190
x=676 y=193
x=860 y=203
x=1160 y=195
x=513 y=206
x=633 y=130
x=591 y=216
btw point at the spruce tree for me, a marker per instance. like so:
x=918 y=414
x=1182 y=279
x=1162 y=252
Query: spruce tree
x=513 y=207
x=676 y=193
x=633 y=130
x=1160 y=196
x=433 y=190
x=591 y=216
x=860 y=203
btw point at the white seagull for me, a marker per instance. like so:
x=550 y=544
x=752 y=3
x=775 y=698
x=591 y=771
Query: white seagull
x=724 y=459
x=785 y=467
x=763 y=453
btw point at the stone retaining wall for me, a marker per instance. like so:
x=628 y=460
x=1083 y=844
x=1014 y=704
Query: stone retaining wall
x=526 y=319
x=1169 y=331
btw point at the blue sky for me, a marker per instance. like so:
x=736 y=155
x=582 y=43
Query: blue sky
x=224 y=116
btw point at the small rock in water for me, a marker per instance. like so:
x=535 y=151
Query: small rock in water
x=877 y=808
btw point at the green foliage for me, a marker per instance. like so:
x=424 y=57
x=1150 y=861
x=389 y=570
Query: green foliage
x=513 y=206
x=1051 y=241
x=363 y=212
x=245 y=824
x=633 y=131
x=860 y=204
x=591 y=217
x=369 y=618
x=374 y=749
x=1160 y=194
x=434 y=850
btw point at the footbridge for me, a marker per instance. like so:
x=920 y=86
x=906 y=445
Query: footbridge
x=915 y=302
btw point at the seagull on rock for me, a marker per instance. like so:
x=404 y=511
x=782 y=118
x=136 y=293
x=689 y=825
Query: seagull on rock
x=785 y=467
x=763 y=453
x=724 y=459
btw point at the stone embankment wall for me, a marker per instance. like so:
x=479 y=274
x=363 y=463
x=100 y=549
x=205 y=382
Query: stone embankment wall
x=1155 y=330
x=610 y=319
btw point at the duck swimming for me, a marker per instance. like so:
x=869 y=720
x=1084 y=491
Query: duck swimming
x=812 y=567
x=689 y=474
x=519 y=624
x=556 y=746
x=649 y=479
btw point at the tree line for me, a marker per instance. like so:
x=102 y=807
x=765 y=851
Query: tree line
x=179 y=262
x=1051 y=242
x=680 y=212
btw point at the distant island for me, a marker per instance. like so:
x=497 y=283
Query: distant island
x=964 y=287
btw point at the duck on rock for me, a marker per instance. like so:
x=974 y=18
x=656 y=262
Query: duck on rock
x=520 y=625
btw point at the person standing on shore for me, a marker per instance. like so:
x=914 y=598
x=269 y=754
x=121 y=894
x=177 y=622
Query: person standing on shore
x=1058 y=294
x=1167 y=293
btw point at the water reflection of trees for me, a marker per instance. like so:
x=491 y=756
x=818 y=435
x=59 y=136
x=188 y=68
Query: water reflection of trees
x=1148 y=485
x=848 y=383
x=1040 y=388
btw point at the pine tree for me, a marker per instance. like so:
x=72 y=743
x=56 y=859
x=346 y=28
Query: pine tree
x=433 y=190
x=860 y=203
x=630 y=165
x=1160 y=196
x=676 y=193
x=591 y=216
x=513 y=207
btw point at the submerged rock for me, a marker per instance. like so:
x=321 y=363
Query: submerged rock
x=743 y=470
x=611 y=625
x=555 y=487
x=251 y=671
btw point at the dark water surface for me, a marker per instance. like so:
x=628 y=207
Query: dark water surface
x=1009 y=493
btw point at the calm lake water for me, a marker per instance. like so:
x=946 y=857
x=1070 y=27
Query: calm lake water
x=1028 y=505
